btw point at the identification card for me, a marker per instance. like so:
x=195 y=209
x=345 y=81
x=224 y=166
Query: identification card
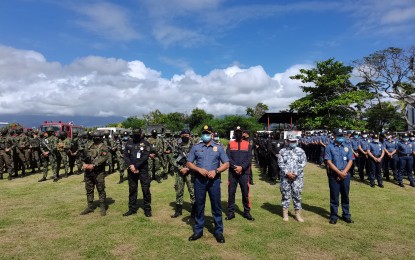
x=345 y=158
x=138 y=155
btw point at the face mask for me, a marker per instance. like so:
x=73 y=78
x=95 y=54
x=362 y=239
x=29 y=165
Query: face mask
x=356 y=136
x=185 y=139
x=405 y=139
x=125 y=138
x=364 y=136
x=340 y=139
x=293 y=145
x=238 y=136
x=136 y=137
x=411 y=138
x=376 y=140
x=216 y=139
x=206 y=138
x=97 y=140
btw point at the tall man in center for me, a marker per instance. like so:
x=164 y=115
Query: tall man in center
x=205 y=160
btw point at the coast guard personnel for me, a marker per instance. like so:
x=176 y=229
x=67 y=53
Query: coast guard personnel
x=339 y=158
x=204 y=159
x=292 y=161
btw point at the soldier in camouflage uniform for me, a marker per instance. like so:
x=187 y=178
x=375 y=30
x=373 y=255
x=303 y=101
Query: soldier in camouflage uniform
x=48 y=147
x=292 y=161
x=94 y=166
x=169 y=143
x=155 y=162
x=63 y=147
x=183 y=175
x=118 y=150
x=74 y=153
x=6 y=147
x=35 y=152
x=20 y=143
x=109 y=142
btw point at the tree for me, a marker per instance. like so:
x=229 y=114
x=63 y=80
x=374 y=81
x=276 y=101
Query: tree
x=386 y=116
x=197 y=118
x=175 y=121
x=331 y=99
x=257 y=111
x=133 y=122
x=223 y=126
x=390 y=72
x=155 y=117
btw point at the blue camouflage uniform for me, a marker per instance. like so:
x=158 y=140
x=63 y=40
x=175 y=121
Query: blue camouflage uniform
x=292 y=160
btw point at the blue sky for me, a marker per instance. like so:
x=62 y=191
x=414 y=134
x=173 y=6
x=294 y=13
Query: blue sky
x=220 y=55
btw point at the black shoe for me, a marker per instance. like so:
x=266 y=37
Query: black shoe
x=381 y=186
x=219 y=237
x=128 y=213
x=372 y=185
x=401 y=185
x=333 y=221
x=147 y=214
x=249 y=217
x=55 y=179
x=230 y=216
x=195 y=237
x=43 y=179
x=158 y=181
x=412 y=185
x=348 y=220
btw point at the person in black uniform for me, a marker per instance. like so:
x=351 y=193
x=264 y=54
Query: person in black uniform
x=274 y=146
x=136 y=155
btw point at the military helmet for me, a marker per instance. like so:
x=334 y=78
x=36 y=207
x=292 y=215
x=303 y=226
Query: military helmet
x=97 y=134
x=4 y=130
x=106 y=133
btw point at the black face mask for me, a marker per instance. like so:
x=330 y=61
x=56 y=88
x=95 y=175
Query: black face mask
x=238 y=136
x=154 y=135
x=97 y=140
x=136 y=137
x=185 y=139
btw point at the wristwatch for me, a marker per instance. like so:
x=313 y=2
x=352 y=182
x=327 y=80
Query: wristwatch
x=216 y=171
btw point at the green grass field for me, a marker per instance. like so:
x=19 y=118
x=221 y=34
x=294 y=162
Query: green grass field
x=42 y=221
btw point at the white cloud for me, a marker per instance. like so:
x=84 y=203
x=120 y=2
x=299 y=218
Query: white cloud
x=108 y=20
x=98 y=86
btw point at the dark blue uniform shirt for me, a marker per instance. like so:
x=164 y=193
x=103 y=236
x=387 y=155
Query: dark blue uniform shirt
x=340 y=155
x=376 y=148
x=207 y=157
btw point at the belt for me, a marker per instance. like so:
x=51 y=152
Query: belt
x=404 y=154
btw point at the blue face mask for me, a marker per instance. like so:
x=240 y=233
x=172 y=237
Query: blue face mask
x=206 y=138
x=405 y=139
x=293 y=145
x=356 y=136
x=340 y=139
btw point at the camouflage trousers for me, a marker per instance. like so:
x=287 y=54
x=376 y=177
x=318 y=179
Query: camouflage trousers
x=50 y=159
x=93 y=179
x=168 y=163
x=19 y=161
x=155 y=168
x=181 y=181
x=35 y=159
x=292 y=189
x=62 y=160
x=75 y=159
x=6 y=160
x=121 y=162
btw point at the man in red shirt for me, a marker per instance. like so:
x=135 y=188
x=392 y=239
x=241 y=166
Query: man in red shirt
x=239 y=152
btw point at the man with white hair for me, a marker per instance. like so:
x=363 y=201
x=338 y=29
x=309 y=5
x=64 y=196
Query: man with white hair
x=292 y=160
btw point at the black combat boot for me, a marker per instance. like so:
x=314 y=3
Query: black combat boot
x=88 y=209
x=103 y=210
x=1 y=176
x=121 y=178
x=178 y=211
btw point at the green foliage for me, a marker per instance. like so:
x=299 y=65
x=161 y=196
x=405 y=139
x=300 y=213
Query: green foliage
x=331 y=99
x=257 y=111
x=223 y=125
x=133 y=122
x=197 y=118
x=175 y=121
x=385 y=115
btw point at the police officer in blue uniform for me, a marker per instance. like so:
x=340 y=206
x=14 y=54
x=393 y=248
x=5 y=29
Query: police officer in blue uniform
x=376 y=153
x=136 y=155
x=406 y=160
x=354 y=143
x=363 y=157
x=205 y=160
x=339 y=158
x=391 y=156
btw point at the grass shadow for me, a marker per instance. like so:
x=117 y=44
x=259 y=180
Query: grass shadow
x=317 y=210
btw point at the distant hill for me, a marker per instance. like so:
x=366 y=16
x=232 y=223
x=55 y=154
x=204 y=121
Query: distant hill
x=36 y=120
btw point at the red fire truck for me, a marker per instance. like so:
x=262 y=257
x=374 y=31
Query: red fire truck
x=61 y=126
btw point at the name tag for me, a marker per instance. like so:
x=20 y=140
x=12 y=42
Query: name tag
x=345 y=158
x=138 y=155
